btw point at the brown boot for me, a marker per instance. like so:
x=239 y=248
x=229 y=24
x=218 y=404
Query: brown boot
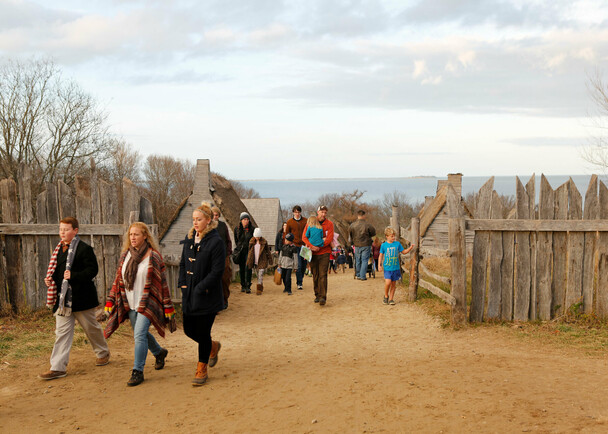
x=259 y=289
x=216 y=346
x=201 y=374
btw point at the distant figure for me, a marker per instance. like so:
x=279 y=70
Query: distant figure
x=341 y=260
x=222 y=229
x=296 y=227
x=320 y=256
x=288 y=261
x=242 y=235
x=71 y=270
x=389 y=260
x=280 y=238
x=200 y=278
x=376 y=251
x=361 y=233
x=140 y=293
x=259 y=257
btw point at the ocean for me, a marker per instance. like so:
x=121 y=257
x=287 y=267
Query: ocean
x=291 y=192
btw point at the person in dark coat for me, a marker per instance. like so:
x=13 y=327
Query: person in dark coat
x=222 y=229
x=200 y=279
x=72 y=295
x=279 y=240
x=242 y=235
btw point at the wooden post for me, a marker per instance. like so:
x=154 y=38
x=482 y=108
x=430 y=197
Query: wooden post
x=521 y=301
x=558 y=284
x=601 y=306
x=591 y=213
x=456 y=232
x=481 y=245
x=395 y=220
x=496 y=256
x=111 y=244
x=131 y=200
x=14 y=276
x=544 y=252
x=66 y=200
x=101 y=282
x=576 y=241
x=28 y=242
x=414 y=258
x=531 y=192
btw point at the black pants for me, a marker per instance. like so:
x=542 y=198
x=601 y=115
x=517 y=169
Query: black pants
x=198 y=328
x=286 y=277
x=245 y=274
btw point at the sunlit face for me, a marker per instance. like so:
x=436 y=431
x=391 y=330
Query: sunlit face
x=67 y=232
x=216 y=216
x=136 y=237
x=200 y=221
x=391 y=238
x=284 y=227
x=322 y=214
x=297 y=215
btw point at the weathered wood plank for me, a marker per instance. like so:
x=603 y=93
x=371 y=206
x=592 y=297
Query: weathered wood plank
x=445 y=296
x=495 y=261
x=544 y=256
x=111 y=244
x=53 y=229
x=130 y=198
x=146 y=213
x=507 y=275
x=43 y=247
x=97 y=240
x=435 y=276
x=521 y=299
x=544 y=225
x=28 y=243
x=458 y=256
x=412 y=292
x=66 y=200
x=83 y=200
x=601 y=306
x=531 y=191
x=558 y=284
x=14 y=276
x=481 y=244
x=591 y=213
x=576 y=240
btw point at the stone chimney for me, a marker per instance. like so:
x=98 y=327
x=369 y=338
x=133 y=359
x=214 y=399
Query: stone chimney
x=428 y=200
x=455 y=180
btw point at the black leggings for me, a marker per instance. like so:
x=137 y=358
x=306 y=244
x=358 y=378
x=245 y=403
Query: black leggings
x=198 y=328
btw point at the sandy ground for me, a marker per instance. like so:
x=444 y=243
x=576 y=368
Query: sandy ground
x=290 y=365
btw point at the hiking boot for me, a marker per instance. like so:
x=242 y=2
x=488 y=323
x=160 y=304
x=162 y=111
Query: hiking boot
x=51 y=375
x=160 y=359
x=102 y=361
x=317 y=299
x=322 y=302
x=259 y=289
x=137 y=377
x=201 y=374
x=216 y=346
x=385 y=300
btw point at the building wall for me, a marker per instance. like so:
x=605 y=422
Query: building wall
x=267 y=214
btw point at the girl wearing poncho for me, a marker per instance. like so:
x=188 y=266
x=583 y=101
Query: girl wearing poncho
x=140 y=293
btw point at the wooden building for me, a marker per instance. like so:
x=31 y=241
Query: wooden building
x=267 y=214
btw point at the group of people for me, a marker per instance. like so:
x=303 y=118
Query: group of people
x=141 y=294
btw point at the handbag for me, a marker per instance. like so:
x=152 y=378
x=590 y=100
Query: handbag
x=236 y=253
x=172 y=324
x=306 y=253
x=277 y=276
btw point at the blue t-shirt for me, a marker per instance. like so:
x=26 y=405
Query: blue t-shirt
x=315 y=236
x=391 y=255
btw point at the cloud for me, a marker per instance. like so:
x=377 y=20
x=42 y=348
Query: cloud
x=549 y=142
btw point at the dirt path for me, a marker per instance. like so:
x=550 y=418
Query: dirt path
x=289 y=365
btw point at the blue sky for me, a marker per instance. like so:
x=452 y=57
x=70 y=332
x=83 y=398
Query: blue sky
x=322 y=88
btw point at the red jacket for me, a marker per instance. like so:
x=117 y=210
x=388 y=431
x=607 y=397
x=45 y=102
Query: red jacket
x=328 y=234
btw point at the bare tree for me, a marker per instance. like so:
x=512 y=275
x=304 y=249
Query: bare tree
x=406 y=208
x=47 y=122
x=596 y=151
x=123 y=162
x=167 y=182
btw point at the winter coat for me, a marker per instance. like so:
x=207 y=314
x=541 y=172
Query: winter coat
x=200 y=271
x=265 y=259
x=241 y=241
x=361 y=233
x=288 y=258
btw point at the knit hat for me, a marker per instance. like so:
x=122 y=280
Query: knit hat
x=244 y=215
x=289 y=237
x=257 y=232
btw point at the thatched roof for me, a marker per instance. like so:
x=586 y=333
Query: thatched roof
x=226 y=199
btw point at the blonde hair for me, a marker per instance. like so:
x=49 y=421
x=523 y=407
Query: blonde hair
x=215 y=209
x=144 y=230
x=204 y=209
x=389 y=231
x=314 y=222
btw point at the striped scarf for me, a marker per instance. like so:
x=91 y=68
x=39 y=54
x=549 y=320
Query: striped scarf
x=65 y=298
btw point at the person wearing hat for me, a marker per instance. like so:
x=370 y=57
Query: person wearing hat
x=242 y=235
x=319 y=263
x=296 y=226
x=288 y=260
x=259 y=257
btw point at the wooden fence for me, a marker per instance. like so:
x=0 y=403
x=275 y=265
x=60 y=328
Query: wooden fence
x=28 y=236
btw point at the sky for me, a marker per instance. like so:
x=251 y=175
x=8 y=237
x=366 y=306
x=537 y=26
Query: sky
x=281 y=89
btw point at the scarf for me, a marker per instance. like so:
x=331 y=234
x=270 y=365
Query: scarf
x=64 y=307
x=136 y=257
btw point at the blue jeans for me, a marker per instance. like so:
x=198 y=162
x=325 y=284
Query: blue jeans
x=144 y=341
x=361 y=259
x=301 y=268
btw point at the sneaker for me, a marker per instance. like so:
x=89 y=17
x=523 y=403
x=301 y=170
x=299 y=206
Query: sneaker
x=160 y=359
x=385 y=300
x=322 y=302
x=51 y=375
x=362 y=278
x=247 y=291
x=289 y=293
x=137 y=377
x=317 y=299
x=391 y=302
x=214 y=353
x=300 y=287
x=102 y=361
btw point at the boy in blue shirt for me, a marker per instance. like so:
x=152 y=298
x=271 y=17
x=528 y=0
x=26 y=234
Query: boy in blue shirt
x=389 y=261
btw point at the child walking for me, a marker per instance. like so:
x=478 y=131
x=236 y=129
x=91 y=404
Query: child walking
x=288 y=261
x=259 y=257
x=389 y=260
